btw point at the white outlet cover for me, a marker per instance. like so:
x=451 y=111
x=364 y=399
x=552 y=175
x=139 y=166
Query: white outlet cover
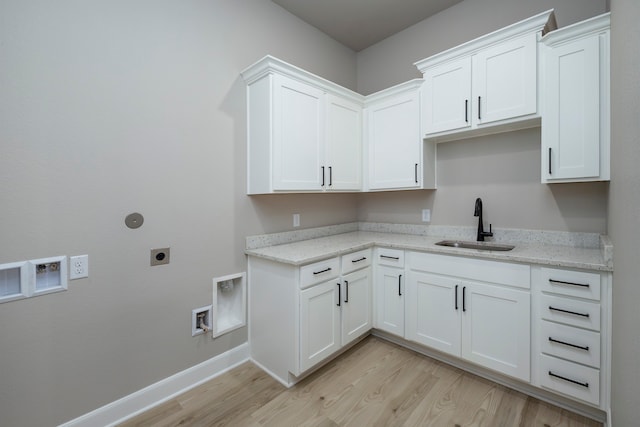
x=78 y=267
x=296 y=220
x=426 y=215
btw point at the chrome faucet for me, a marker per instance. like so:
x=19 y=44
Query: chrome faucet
x=478 y=212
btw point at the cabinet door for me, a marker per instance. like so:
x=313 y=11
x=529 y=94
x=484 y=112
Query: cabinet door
x=298 y=135
x=505 y=80
x=446 y=96
x=394 y=143
x=343 y=165
x=433 y=311
x=390 y=300
x=319 y=323
x=571 y=131
x=496 y=328
x=356 y=305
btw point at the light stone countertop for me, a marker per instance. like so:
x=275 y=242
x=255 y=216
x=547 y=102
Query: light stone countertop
x=316 y=249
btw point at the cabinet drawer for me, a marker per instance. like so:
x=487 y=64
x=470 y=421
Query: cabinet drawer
x=580 y=284
x=320 y=271
x=570 y=378
x=392 y=257
x=570 y=312
x=356 y=260
x=577 y=345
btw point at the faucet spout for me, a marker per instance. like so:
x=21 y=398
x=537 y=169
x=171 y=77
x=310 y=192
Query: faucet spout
x=478 y=212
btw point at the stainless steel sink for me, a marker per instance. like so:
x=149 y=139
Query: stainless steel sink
x=481 y=246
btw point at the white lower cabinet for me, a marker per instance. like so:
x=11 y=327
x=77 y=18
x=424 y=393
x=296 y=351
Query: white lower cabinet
x=356 y=305
x=319 y=323
x=484 y=324
x=549 y=327
x=389 y=291
x=572 y=342
x=301 y=316
x=333 y=314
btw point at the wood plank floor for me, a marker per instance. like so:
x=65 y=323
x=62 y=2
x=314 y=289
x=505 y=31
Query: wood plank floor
x=376 y=383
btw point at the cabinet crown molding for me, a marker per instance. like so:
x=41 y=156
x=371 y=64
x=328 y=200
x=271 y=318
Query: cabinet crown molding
x=543 y=22
x=270 y=64
x=392 y=91
x=594 y=25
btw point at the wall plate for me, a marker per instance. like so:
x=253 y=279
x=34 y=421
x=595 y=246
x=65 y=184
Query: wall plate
x=160 y=256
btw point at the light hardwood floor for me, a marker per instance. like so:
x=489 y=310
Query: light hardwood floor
x=376 y=383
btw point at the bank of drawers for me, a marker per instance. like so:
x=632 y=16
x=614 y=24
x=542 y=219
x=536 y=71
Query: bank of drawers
x=570 y=333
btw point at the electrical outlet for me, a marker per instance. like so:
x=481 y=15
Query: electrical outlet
x=426 y=215
x=296 y=220
x=160 y=256
x=78 y=267
x=201 y=320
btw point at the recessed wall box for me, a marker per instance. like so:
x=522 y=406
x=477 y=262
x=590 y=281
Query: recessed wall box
x=230 y=303
x=49 y=275
x=14 y=281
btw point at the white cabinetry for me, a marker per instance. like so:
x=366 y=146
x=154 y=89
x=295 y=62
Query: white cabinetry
x=300 y=316
x=575 y=123
x=304 y=132
x=394 y=141
x=474 y=309
x=572 y=339
x=389 y=291
x=319 y=323
x=486 y=85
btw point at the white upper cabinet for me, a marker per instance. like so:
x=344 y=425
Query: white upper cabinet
x=487 y=85
x=298 y=135
x=304 y=132
x=446 y=95
x=394 y=141
x=575 y=122
x=505 y=80
x=343 y=170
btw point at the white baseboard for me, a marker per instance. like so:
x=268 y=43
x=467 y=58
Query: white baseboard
x=148 y=397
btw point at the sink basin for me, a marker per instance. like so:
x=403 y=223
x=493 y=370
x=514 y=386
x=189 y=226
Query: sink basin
x=481 y=246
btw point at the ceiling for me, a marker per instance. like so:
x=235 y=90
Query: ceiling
x=359 y=24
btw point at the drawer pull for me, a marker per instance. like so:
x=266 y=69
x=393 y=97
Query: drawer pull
x=569 y=312
x=359 y=259
x=322 y=271
x=562 y=282
x=551 y=374
x=581 y=347
x=390 y=257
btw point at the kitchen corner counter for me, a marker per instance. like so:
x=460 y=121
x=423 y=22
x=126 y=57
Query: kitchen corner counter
x=315 y=249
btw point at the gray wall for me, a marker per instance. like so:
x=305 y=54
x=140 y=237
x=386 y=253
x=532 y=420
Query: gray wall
x=113 y=107
x=624 y=208
x=504 y=169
